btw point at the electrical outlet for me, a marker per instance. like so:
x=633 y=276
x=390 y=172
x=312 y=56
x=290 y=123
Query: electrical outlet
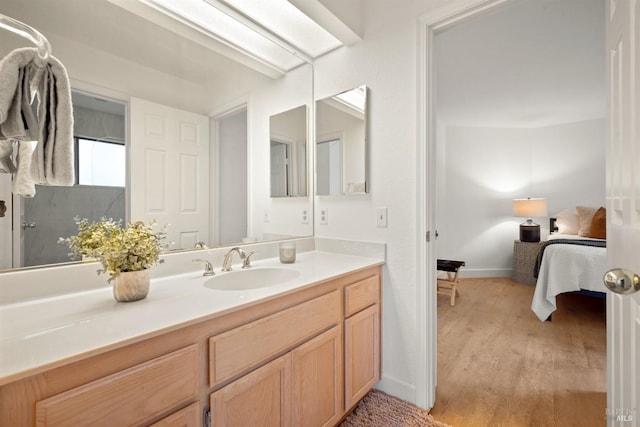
x=324 y=216
x=381 y=217
x=305 y=216
x=267 y=215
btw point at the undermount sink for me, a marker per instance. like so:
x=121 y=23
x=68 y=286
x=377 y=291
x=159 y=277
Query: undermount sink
x=253 y=278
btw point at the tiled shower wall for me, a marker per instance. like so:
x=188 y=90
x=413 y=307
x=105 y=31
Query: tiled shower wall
x=52 y=212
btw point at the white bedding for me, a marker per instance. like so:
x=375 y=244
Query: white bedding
x=567 y=268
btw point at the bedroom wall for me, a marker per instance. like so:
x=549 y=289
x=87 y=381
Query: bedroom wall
x=485 y=168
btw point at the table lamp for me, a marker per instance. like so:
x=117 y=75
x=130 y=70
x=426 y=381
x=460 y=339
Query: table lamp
x=528 y=208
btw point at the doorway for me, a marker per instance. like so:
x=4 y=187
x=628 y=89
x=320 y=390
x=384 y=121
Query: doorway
x=230 y=216
x=429 y=131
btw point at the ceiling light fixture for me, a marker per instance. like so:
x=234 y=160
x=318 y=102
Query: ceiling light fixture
x=283 y=19
x=244 y=26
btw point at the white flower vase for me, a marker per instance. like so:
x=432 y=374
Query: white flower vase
x=131 y=285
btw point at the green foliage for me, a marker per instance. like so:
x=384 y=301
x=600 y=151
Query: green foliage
x=131 y=248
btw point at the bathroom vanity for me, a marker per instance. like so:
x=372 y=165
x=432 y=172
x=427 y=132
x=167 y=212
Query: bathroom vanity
x=302 y=352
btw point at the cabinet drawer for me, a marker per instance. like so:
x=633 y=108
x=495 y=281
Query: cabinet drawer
x=128 y=397
x=242 y=348
x=361 y=295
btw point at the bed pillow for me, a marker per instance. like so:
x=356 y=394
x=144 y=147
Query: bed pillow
x=585 y=216
x=567 y=221
x=598 y=228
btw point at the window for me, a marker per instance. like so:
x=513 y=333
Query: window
x=100 y=163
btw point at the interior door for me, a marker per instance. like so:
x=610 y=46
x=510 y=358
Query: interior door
x=169 y=172
x=279 y=163
x=623 y=211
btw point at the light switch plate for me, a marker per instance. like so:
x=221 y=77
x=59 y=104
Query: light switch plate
x=381 y=217
x=267 y=216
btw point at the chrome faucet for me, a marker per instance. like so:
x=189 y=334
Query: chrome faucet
x=246 y=262
x=228 y=258
x=208 y=268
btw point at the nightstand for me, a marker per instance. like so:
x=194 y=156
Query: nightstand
x=524 y=261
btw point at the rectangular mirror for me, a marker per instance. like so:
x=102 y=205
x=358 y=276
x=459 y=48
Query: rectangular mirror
x=128 y=54
x=288 y=143
x=341 y=143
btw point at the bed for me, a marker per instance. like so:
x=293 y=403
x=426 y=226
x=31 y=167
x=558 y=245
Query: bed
x=568 y=263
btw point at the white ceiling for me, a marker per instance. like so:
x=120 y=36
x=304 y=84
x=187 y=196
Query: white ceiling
x=530 y=63
x=110 y=28
x=143 y=34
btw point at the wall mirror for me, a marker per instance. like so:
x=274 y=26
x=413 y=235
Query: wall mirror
x=123 y=59
x=100 y=132
x=341 y=143
x=288 y=143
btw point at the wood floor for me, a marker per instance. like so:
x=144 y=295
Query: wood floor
x=498 y=365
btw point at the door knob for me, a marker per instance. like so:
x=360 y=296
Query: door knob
x=26 y=225
x=622 y=281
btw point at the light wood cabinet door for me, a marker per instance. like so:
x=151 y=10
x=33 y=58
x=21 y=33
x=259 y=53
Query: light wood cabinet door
x=361 y=354
x=260 y=398
x=318 y=380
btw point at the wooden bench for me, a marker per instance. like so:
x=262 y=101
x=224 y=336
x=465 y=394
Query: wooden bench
x=449 y=286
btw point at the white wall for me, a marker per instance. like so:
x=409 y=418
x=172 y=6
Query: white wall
x=485 y=168
x=386 y=62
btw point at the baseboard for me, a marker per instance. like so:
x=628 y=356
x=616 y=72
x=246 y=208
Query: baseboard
x=485 y=272
x=397 y=388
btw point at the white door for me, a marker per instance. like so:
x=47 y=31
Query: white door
x=623 y=211
x=169 y=171
x=279 y=163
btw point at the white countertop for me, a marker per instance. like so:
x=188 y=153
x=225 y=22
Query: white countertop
x=44 y=333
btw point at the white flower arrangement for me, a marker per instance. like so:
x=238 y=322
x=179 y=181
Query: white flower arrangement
x=119 y=249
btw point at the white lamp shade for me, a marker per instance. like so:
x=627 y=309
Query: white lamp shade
x=530 y=208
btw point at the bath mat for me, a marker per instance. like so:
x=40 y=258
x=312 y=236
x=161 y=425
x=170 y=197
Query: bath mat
x=378 y=409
